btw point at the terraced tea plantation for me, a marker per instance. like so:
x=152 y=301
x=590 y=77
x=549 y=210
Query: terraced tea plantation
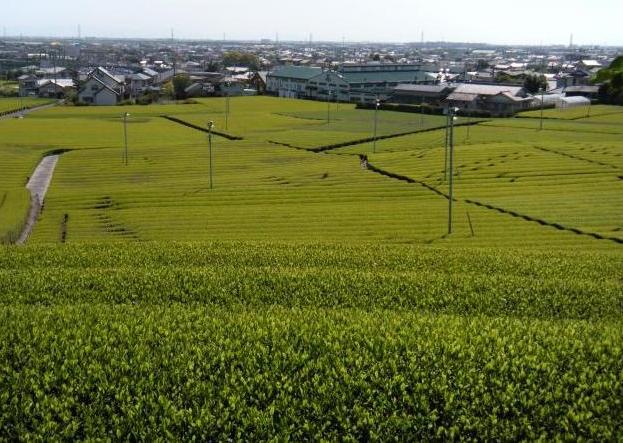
x=308 y=294
x=269 y=340
x=264 y=188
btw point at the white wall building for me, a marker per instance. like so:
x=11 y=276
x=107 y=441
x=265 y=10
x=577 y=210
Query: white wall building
x=102 y=89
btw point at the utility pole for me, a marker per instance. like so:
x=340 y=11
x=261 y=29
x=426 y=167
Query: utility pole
x=125 y=137
x=54 y=65
x=227 y=84
x=328 y=106
x=328 y=79
x=542 y=105
x=227 y=113
x=210 y=124
x=445 y=162
x=451 y=114
x=376 y=120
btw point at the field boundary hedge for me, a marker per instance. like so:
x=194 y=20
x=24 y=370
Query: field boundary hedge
x=287 y=145
x=515 y=214
x=371 y=139
x=544 y=222
x=581 y=117
x=576 y=157
x=199 y=128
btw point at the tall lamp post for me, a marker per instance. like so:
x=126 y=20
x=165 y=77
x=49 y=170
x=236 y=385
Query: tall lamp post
x=452 y=116
x=376 y=121
x=227 y=85
x=210 y=125
x=125 y=137
x=328 y=79
x=445 y=161
x=542 y=106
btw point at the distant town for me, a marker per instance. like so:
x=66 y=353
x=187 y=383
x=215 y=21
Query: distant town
x=479 y=79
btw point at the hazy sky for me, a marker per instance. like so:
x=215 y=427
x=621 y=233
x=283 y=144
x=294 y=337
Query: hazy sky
x=490 y=21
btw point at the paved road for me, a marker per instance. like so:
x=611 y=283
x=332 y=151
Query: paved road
x=38 y=186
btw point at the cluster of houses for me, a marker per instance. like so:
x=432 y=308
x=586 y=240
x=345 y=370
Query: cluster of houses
x=408 y=84
x=362 y=83
x=101 y=86
x=52 y=82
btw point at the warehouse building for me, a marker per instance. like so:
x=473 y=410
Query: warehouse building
x=352 y=83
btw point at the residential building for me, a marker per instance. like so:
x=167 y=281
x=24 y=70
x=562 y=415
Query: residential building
x=497 y=100
x=28 y=85
x=432 y=95
x=139 y=83
x=590 y=92
x=258 y=81
x=59 y=88
x=102 y=88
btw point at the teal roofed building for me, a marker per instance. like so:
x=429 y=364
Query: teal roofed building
x=357 y=84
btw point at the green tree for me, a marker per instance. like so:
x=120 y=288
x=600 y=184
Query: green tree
x=236 y=58
x=180 y=83
x=534 y=83
x=606 y=74
x=482 y=65
x=213 y=66
x=611 y=79
x=167 y=90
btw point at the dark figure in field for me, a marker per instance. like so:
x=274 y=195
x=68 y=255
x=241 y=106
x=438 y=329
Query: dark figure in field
x=363 y=161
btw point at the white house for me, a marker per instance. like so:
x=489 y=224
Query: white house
x=139 y=83
x=102 y=88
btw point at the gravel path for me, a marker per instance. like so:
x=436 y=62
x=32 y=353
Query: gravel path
x=28 y=111
x=38 y=186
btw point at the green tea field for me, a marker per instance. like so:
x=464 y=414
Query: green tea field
x=308 y=288
x=266 y=189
